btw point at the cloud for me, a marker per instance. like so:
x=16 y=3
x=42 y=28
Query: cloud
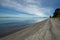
x=15 y=15
x=28 y=6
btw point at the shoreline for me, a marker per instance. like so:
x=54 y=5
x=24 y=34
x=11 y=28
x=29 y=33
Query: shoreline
x=46 y=30
x=14 y=29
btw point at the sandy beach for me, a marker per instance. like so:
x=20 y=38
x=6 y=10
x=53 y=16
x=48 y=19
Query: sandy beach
x=46 y=30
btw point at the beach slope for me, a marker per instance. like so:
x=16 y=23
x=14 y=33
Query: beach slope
x=46 y=30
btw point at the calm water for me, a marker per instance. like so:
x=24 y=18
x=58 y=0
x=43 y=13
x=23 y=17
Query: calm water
x=7 y=24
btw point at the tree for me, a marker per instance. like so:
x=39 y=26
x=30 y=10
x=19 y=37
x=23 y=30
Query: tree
x=57 y=13
x=50 y=16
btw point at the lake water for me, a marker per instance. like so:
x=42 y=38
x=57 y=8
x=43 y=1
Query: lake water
x=7 y=22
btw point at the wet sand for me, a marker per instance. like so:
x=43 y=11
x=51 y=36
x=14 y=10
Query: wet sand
x=45 y=30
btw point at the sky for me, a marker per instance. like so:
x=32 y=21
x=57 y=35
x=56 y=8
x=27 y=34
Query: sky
x=28 y=8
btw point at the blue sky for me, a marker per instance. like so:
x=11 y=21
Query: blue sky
x=28 y=8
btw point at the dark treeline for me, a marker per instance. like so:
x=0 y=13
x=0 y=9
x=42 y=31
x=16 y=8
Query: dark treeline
x=57 y=13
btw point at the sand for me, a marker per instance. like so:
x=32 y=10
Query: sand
x=46 y=30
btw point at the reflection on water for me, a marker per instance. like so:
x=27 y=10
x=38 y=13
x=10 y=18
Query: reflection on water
x=13 y=24
x=7 y=22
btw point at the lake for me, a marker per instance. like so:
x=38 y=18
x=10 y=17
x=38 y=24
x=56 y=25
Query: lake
x=9 y=25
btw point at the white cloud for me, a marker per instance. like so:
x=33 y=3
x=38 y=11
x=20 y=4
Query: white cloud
x=14 y=15
x=28 y=6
